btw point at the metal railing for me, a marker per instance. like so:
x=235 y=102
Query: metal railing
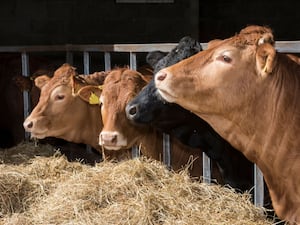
x=132 y=49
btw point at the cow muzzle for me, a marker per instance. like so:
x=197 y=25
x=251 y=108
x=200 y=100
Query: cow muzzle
x=35 y=127
x=112 y=140
x=163 y=79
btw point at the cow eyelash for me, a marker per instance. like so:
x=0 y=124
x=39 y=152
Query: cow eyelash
x=225 y=58
x=59 y=97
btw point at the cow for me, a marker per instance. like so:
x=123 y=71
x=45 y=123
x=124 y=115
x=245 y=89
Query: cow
x=186 y=47
x=153 y=57
x=63 y=113
x=119 y=87
x=149 y=109
x=249 y=93
x=73 y=151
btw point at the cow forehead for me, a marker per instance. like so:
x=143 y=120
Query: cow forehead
x=54 y=83
x=120 y=86
x=123 y=80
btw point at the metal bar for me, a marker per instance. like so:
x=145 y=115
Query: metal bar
x=135 y=152
x=107 y=61
x=69 y=57
x=86 y=70
x=166 y=150
x=206 y=171
x=132 y=61
x=258 y=187
x=166 y=47
x=86 y=62
x=288 y=46
x=26 y=96
x=282 y=46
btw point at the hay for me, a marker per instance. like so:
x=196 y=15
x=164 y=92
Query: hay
x=51 y=190
x=24 y=151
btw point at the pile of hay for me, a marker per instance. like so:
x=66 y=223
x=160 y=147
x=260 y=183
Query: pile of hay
x=51 y=190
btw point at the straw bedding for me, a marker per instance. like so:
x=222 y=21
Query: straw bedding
x=47 y=189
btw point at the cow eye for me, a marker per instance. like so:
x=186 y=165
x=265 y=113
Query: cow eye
x=59 y=97
x=226 y=58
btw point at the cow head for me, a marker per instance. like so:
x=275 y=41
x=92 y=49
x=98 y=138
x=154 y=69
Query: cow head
x=148 y=106
x=61 y=111
x=214 y=80
x=120 y=86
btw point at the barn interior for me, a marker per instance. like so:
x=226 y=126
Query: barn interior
x=108 y=22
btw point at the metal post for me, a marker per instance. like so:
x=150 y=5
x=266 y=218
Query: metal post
x=107 y=61
x=206 y=168
x=166 y=150
x=133 y=65
x=258 y=187
x=135 y=152
x=26 y=96
x=69 y=57
x=132 y=62
x=86 y=70
x=86 y=62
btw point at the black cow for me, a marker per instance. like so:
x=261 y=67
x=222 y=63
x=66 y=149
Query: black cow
x=153 y=57
x=149 y=108
x=186 y=47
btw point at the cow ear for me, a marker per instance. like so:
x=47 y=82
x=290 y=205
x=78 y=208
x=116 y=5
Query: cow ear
x=265 y=56
x=91 y=94
x=22 y=82
x=40 y=81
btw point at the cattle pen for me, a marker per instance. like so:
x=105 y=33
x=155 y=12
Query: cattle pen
x=131 y=50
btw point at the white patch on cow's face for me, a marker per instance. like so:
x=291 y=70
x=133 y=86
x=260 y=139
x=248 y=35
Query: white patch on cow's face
x=112 y=140
x=101 y=101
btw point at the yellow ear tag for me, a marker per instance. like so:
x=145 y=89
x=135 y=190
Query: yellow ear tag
x=94 y=99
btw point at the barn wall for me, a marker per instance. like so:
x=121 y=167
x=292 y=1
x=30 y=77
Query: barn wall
x=95 y=21
x=104 y=21
x=223 y=18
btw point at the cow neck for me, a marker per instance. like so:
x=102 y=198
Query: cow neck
x=89 y=128
x=152 y=144
x=271 y=139
x=280 y=156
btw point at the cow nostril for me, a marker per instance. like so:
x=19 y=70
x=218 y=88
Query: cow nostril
x=108 y=138
x=30 y=125
x=114 y=139
x=161 y=76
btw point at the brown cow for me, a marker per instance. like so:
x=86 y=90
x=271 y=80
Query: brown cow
x=72 y=151
x=250 y=94
x=120 y=86
x=62 y=113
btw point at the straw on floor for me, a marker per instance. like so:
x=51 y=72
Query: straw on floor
x=47 y=189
